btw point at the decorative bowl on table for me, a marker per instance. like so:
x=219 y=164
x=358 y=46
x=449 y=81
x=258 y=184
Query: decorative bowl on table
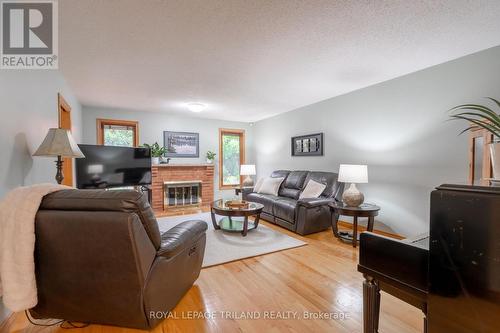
x=236 y=204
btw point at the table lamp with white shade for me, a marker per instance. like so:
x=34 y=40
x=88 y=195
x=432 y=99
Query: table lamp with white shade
x=59 y=143
x=247 y=170
x=354 y=174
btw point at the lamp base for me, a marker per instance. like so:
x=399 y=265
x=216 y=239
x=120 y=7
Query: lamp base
x=247 y=182
x=352 y=197
x=59 y=166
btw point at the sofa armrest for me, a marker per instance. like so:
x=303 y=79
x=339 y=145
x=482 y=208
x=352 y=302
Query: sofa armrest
x=181 y=237
x=314 y=202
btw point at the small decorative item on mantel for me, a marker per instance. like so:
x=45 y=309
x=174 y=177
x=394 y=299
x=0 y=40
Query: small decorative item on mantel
x=351 y=173
x=157 y=152
x=486 y=123
x=210 y=157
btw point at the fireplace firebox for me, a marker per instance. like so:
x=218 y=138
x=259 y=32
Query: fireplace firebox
x=182 y=193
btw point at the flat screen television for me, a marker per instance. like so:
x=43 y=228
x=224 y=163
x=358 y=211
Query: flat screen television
x=108 y=166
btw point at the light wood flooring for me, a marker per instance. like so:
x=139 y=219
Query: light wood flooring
x=317 y=279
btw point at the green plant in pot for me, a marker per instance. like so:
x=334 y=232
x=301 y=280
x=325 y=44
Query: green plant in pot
x=157 y=152
x=210 y=157
x=481 y=116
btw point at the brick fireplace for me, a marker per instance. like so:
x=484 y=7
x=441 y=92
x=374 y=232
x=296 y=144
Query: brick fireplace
x=164 y=175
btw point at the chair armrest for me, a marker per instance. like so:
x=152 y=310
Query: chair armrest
x=314 y=202
x=181 y=237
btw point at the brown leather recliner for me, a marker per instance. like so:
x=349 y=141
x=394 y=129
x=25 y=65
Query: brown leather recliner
x=100 y=258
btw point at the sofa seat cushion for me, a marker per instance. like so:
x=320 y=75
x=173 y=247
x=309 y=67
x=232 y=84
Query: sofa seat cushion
x=284 y=208
x=266 y=199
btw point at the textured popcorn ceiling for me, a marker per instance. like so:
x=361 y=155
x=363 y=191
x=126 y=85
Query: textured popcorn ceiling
x=248 y=60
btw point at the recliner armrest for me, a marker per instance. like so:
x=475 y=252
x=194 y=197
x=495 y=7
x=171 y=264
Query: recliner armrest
x=181 y=237
x=314 y=202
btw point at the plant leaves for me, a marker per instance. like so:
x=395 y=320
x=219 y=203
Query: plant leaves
x=495 y=101
x=495 y=120
x=480 y=123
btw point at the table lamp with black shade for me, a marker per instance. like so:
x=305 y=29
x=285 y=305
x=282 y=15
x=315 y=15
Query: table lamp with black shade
x=59 y=143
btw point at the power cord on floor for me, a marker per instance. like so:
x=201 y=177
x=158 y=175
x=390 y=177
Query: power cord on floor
x=62 y=323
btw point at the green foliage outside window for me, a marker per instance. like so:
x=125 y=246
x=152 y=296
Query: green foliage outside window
x=119 y=137
x=230 y=159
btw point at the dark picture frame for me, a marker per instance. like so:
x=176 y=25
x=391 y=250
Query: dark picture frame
x=307 y=145
x=181 y=144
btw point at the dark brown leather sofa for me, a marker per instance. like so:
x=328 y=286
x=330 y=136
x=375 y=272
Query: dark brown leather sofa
x=304 y=216
x=100 y=258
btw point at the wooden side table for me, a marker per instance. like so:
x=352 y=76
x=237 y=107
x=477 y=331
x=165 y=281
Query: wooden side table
x=244 y=190
x=365 y=210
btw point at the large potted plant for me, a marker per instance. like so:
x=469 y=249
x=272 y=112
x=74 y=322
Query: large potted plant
x=156 y=152
x=480 y=116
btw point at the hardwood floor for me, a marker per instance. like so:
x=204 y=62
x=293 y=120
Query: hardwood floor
x=317 y=279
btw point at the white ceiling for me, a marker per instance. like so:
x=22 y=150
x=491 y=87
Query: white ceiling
x=248 y=60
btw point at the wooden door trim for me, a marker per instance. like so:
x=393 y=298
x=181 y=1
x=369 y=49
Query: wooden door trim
x=63 y=106
x=100 y=122
x=487 y=169
x=241 y=133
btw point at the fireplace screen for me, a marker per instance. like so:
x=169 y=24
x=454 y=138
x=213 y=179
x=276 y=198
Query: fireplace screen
x=182 y=193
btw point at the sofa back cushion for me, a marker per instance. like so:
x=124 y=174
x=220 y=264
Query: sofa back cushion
x=293 y=184
x=128 y=201
x=270 y=185
x=333 y=187
x=279 y=174
x=312 y=190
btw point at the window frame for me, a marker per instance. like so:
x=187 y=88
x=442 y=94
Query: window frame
x=241 y=134
x=101 y=123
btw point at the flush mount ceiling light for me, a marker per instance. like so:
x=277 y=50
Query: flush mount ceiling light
x=196 y=107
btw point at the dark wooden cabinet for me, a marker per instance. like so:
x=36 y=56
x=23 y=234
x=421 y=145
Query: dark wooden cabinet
x=464 y=261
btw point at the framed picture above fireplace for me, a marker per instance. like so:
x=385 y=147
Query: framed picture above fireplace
x=181 y=144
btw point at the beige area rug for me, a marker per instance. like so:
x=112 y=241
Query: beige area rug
x=224 y=246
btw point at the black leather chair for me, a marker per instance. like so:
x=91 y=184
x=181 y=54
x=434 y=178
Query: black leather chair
x=304 y=216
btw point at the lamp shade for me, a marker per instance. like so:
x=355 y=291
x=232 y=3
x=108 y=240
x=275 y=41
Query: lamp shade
x=352 y=173
x=247 y=170
x=59 y=142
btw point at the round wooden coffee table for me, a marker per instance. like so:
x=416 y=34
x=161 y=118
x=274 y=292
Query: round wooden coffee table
x=228 y=223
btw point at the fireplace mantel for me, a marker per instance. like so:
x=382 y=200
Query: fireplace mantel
x=163 y=173
x=179 y=165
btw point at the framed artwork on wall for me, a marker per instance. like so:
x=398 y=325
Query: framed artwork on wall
x=181 y=144
x=307 y=145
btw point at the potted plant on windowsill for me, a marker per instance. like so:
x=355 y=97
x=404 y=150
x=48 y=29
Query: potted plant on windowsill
x=210 y=157
x=157 y=152
x=480 y=116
